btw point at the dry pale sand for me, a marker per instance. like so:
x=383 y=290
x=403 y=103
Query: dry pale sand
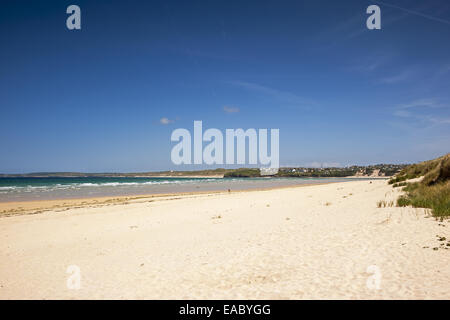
x=323 y=241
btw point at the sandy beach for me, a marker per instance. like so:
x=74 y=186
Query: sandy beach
x=328 y=241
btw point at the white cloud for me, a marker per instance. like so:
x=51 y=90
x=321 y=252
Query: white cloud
x=229 y=109
x=165 y=121
x=316 y=164
x=426 y=103
x=417 y=13
x=402 y=113
x=423 y=110
x=439 y=120
x=405 y=75
x=282 y=96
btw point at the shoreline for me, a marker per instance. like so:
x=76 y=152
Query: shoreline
x=29 y=191
x=30 y=207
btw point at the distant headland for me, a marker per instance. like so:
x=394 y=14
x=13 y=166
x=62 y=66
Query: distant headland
x=378 y=170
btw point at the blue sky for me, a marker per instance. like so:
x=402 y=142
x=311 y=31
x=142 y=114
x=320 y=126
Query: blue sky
x=108 y=96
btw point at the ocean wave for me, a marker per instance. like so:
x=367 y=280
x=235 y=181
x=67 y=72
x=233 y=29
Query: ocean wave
x=72 y=186
x=8 y=188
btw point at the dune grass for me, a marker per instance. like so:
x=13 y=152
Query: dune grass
x=432 y=192
x=434 y=171
x=435 y=197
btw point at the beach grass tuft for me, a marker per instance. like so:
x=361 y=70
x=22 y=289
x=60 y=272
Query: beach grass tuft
x=385 y=204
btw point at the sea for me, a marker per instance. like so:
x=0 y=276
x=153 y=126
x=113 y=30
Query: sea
x=49 y=188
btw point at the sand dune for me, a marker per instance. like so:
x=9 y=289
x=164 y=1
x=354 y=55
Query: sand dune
x=319 y=242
